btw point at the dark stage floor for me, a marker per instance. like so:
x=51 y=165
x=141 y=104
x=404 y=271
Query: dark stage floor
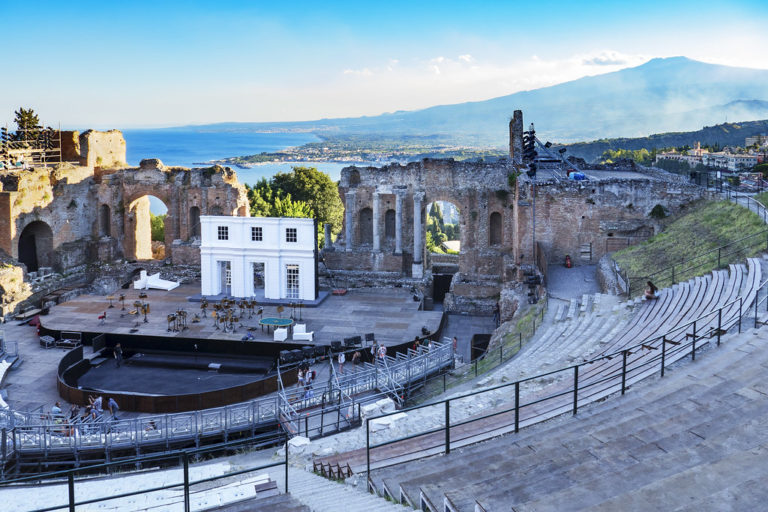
x=151 y=380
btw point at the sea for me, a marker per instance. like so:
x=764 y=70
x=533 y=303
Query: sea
x=191 y=147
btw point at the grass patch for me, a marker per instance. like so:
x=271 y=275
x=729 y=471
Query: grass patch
x=688 y=245
x=512 y=342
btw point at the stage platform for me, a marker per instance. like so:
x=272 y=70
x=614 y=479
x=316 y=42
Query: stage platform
x=390 y=313
x=136 y=378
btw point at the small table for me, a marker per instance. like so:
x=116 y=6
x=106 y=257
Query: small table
x=275 y=323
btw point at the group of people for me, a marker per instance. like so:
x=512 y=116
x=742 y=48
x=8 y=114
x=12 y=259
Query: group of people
x=91 y=413
x=305 y=379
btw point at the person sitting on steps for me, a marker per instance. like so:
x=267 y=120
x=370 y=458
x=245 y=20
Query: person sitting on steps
x=651 y=292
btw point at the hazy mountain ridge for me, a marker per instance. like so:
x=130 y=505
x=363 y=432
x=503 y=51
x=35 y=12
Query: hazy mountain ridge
x=662 y=95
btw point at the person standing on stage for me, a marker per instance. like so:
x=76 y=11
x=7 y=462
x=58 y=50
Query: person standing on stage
x=118 y=355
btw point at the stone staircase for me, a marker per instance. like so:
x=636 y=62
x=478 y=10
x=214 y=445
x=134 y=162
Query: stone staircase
x=690 y=441
x=322 y=495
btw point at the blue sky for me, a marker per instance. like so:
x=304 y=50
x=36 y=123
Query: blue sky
x=164 y=63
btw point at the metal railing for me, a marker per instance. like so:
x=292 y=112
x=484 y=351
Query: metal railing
x=177 y=458
x=711 y=259
x=565 y=390
x=24 y=434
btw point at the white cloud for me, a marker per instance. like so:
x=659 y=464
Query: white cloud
x=358 y=72
x=465 y=58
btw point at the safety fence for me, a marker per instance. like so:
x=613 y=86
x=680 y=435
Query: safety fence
x=541 y=397
x=163 y=490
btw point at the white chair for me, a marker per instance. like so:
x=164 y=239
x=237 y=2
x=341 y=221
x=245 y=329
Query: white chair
x=300 y=333
x=281 y=334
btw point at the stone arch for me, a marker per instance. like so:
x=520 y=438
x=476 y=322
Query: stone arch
x=495 y=229
x=105 y=220
x=138 y=234
x=194 y=222
x=365 y=226
x=389 y=224
x=35 y=247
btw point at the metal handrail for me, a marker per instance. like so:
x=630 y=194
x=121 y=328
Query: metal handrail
x=718 y=250
x=652 y=343
x=183 y=458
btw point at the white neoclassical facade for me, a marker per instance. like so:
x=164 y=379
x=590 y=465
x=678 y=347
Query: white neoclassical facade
x=270 y=257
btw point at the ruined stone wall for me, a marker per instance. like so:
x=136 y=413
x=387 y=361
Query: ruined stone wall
x=102 y=149
x=603 y=215
x=476 y=189
x=211 y=191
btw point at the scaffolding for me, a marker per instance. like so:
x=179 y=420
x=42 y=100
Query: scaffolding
x=28 y=148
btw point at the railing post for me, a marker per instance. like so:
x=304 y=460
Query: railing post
x=367 y=449
x=741 y=304
x=443 y=382
x=517 y=407
x=719 y=324
x=663 y=353
x=757 y=295
x=71 y=490
x=693 y=345
x=475 y=367
x=501 y=354
x=575 y=388
x=286 y=463
x=673 y=274
x=718 y=256
x=185 y=460
x=520 y=339
x=447 y=427
x=623 y=371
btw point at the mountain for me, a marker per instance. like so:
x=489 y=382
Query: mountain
x=726 y=134
x=664 y=94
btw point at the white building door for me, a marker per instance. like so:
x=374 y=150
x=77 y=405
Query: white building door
x=225 y=277
x=258 y=280
x=292 y=281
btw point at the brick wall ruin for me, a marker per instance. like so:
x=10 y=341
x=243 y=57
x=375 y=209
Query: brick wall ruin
x=96 y=208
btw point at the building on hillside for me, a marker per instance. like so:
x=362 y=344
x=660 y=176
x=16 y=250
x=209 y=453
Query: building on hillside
x=726 y=160
x=756 y=140
x=267 y=257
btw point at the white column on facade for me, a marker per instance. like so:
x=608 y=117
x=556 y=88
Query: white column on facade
x=399 y=221
x=418 y=266
x=376 y=222
x=350 y=219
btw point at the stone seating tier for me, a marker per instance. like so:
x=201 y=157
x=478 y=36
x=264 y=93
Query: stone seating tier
x=655 y=443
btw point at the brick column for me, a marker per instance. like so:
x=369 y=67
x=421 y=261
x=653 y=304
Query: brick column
x=399 y=194
x=418 y=250
x=376 y=222
x=349 y=231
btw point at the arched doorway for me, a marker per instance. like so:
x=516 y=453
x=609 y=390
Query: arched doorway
x=495 y=235
x=389 y=224
x=105 y=221
x=194 y=222
x=443 y=242
x=365 y=227
x=36 y=246
x=147 y=228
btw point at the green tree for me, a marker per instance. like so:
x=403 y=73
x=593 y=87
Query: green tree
x=157 y=225
x=315 y=188
x=27 y=124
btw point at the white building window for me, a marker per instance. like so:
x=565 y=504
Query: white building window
x=256 y=234
x=292 y=281
x=290 y=235
x=223 y=232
